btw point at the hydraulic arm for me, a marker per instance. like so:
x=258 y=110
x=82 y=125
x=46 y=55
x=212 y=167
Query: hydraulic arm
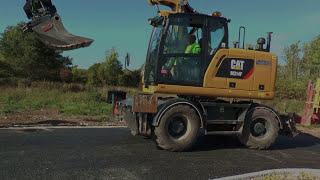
x=177 y=6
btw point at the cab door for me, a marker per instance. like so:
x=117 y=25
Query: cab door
x=216 y=51
x=176 y=65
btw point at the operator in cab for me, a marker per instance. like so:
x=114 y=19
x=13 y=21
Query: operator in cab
x=193 y=47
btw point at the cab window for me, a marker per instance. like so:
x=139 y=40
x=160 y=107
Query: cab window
x=180 y=37
x=181 y=60
x=216 y=36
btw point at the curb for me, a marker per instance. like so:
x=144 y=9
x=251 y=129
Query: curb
x=63 y=127
x=314 y=172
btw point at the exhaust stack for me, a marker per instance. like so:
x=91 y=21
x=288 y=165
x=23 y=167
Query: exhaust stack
x=269 y=41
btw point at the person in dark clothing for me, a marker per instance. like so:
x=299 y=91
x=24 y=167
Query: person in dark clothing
x=39 y=8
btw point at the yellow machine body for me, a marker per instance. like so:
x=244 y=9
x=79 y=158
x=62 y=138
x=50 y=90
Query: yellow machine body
x=259 y=83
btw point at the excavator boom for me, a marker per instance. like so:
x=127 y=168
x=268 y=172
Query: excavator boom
x=173 y=4
x=177 y=6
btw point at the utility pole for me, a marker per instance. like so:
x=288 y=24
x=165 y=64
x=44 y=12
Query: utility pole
x=127 y=61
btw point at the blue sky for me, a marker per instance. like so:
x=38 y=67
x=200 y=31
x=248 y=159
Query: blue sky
x=123 y=24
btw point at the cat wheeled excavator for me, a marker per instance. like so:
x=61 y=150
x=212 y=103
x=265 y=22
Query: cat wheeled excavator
x=195 y=82
x=214 y=88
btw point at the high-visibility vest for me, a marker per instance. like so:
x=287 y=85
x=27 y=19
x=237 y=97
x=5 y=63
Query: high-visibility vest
x=193 y=49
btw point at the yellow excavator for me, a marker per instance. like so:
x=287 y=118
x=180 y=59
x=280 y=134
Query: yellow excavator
x=214 y=84
x=195 y=82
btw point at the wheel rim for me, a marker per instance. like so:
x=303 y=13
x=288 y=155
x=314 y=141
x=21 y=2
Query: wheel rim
x=259 y=128
x=177 y=127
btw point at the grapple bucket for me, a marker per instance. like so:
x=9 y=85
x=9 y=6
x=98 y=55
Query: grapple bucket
x=51 y=31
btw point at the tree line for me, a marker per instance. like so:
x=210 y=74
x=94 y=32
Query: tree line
x=301 y=64
x=108 y=73
x=23 y=56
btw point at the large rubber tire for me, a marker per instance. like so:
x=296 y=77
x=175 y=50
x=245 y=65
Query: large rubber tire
x=184 y=142
x=271 y=131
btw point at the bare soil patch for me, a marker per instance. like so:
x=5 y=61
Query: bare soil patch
x=54 y=118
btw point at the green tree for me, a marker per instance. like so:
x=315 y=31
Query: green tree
x=79 y=75
x=131 y=78
x=311 y=59
x=29 y=57
x=110 y=71
x=293 y=61
x=6 y=71
x=1 y=57
x=93 y=77
x=291 y=79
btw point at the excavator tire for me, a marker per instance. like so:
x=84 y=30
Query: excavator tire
x=260 y=130
x=178 y=129
x=51 y=31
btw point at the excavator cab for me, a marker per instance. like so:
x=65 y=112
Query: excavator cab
x=48 y=26
x=189 y=55
x=170 y=62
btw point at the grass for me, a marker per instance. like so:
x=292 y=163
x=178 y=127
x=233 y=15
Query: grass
x=84 y=103
x=73 y=100
x=77 y=100
x=310 y=127
x=287 y=105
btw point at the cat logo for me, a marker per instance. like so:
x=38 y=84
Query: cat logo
x=237 y=65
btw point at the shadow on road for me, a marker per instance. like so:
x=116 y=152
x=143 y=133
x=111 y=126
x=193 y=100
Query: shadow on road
x=303 y=140
x=208 y=143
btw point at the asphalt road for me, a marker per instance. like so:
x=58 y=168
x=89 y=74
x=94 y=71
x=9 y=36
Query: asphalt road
x=115 y=154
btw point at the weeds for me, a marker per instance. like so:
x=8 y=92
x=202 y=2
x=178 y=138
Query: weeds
x=287 y=176
x=286 y=105
x=84 y=103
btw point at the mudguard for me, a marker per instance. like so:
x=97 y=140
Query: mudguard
x=51 y=31
x=164 y=106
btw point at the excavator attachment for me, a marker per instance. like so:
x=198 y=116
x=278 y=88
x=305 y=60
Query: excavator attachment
x=52 y=32
x=47 y=24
